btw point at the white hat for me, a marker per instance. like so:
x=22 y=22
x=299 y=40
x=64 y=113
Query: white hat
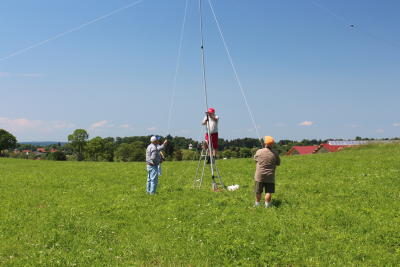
x=153 y=139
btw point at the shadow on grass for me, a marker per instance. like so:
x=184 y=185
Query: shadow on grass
x=276 y=203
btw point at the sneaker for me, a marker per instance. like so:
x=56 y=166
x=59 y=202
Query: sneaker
x=257 y=204
x=268 y=204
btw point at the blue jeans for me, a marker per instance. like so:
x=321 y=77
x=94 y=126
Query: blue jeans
x=159 y=169
x=152 y=179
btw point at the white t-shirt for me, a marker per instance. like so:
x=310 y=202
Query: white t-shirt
x=213 y=124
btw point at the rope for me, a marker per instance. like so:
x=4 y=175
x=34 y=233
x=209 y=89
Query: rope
x=57 y=36
x=235 y=71
x=178 y=60
x=356 y=27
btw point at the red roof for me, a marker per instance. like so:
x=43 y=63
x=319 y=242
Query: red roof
x=332 y=148
x=41 y=149
x=26 y=151
x=53 y=150
x=302 y=150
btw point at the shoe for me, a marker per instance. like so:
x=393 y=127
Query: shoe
x=268 y=205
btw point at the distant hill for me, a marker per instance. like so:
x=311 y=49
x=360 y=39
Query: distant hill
x=42 y=143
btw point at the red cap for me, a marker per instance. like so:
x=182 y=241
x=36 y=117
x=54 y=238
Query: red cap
x=211 y=110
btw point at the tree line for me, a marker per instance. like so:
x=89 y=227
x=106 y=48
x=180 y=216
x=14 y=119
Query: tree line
x=133 y=148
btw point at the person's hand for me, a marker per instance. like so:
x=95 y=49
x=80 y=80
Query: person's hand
x=165 y=142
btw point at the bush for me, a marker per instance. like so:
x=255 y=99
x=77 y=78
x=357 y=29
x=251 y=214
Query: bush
x=226 y=154
x=58 y=155
x=13 y=155
x=189 y=154
x=72 y=157
x=178 y=155
x=5 y=154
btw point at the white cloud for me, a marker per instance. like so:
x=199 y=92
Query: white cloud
x=23 y=125
x=306 y=123
x=396 y=124
x=125 y=126
x=152 y=128
x=380 y=131
x=101 y=124
x=24 y=75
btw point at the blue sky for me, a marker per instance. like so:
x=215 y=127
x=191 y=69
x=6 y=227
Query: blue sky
x=306 y=72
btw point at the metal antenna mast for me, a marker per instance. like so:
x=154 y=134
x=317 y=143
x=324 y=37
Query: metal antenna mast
x=210 y=148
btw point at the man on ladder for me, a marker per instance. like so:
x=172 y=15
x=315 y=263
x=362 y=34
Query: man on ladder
x=212 y=120
x=208 y=152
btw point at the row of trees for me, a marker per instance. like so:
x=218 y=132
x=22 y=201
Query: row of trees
x=126 y=149
x=133 y=148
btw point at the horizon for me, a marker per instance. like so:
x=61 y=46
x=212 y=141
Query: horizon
x=310 y=70
x=295 y=140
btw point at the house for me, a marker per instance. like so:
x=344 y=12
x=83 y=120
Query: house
x=53 y=150
x=41 y=150
x=326 y=148
x=26 y=151
x=301 y=150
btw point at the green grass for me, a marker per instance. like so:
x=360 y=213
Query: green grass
x=330 y=209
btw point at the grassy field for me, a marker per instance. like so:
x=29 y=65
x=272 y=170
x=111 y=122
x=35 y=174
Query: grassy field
x=330 y=209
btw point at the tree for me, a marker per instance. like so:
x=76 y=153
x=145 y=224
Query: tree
x=7 y=140
x=139 y=151
x=99 y=149
x=130 y=152
x=78 y=141
x=123 y=152
x=169 y=149
x=245 y=152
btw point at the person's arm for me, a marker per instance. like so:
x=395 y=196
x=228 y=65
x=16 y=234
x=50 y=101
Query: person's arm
x=204 y=120
x=256 y=155
x=161 y=147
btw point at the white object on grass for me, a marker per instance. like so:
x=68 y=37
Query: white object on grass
x=233 y=187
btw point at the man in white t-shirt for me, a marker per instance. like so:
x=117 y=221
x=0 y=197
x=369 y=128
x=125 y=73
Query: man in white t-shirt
x=213 y=124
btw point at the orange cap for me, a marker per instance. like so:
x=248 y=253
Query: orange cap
x=268 y=140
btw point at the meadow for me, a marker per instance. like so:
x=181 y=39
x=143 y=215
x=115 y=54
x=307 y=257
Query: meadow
x=330 y=209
